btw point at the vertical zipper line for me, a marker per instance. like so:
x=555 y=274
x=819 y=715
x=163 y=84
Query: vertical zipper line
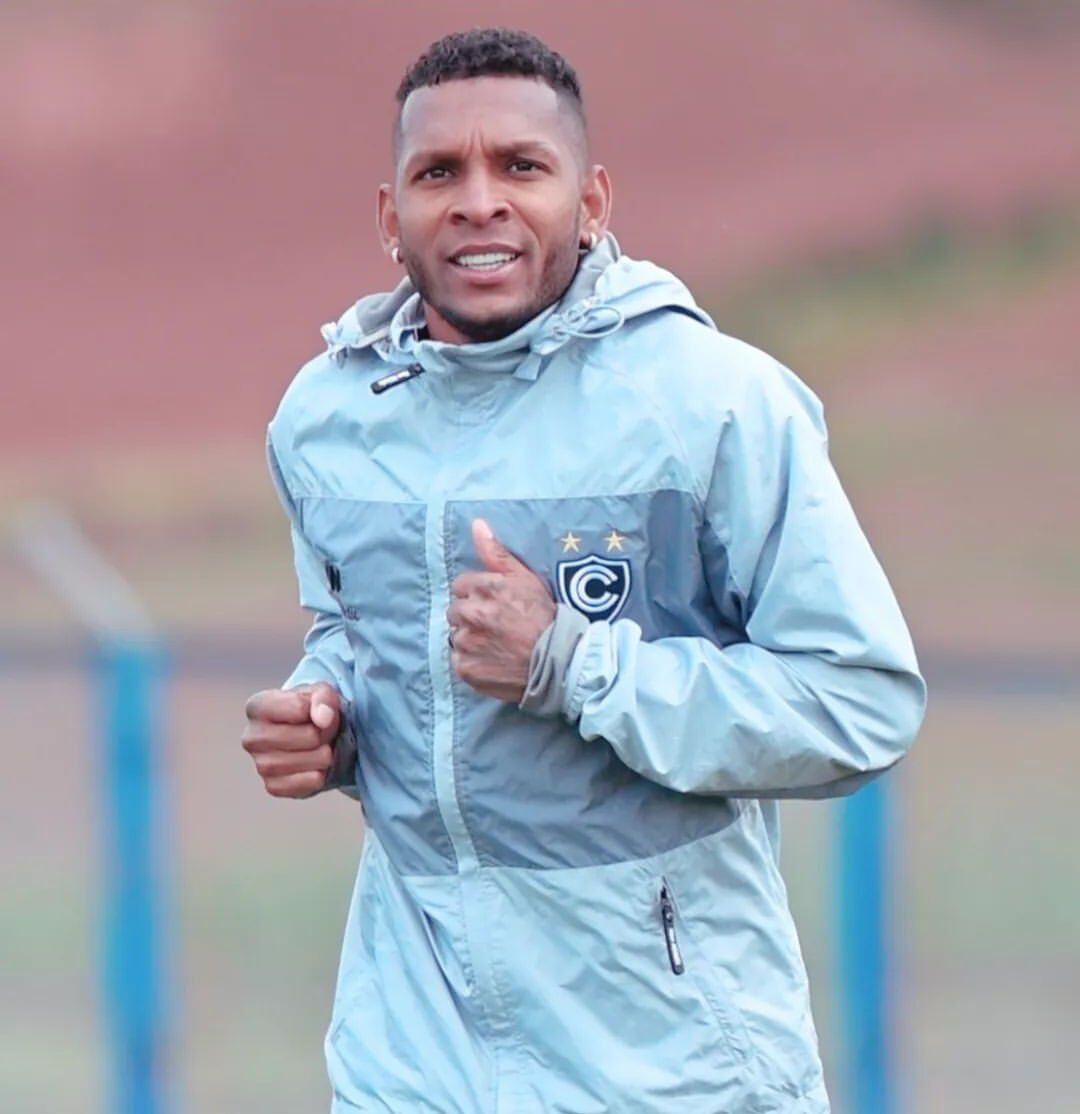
x=442 y=758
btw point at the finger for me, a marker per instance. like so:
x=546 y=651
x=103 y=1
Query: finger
x=281 y=763
x=262 y=736
x=296 y=785
x=466 y=640
x=467 y=612
x=494 y=556
x=477 y=584
x=325 y=706
x=460 y=665
x=279 y=706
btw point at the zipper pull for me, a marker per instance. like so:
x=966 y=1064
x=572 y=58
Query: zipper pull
x=667 y=918
x=396 y=377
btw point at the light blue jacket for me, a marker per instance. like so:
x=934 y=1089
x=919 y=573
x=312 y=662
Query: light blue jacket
x=582 y=913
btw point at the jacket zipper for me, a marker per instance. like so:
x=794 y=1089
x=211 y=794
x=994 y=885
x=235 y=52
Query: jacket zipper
x=667 y=919
x=444 y=768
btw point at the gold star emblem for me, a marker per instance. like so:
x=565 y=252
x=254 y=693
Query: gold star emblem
x=614 y=540
x=570 y=542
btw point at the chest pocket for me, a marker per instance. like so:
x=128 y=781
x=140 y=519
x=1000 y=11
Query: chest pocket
x=634 y=556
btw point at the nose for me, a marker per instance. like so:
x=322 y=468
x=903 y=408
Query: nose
x=478 y=200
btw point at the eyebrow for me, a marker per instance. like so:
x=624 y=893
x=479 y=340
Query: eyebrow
x=504 y=150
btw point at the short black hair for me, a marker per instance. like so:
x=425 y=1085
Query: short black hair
x=488 y=52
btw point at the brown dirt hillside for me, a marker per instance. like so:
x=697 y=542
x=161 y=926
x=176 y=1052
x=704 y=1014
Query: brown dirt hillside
x=186 y=189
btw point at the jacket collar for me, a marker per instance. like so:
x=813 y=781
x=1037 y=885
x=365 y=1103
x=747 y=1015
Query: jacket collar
x=607 y=288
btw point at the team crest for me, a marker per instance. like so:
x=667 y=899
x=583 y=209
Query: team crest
x=596 y=586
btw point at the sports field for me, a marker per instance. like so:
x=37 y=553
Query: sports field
x=950 y=384
x=180 y=214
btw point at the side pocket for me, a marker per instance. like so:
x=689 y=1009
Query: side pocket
x=671 y=938
x=686 y=958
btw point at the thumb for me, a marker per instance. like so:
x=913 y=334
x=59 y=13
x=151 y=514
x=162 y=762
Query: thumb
x=325 y=705
x=493 y=554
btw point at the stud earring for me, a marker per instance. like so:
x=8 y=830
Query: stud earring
x=395 y=254
x=590 y=245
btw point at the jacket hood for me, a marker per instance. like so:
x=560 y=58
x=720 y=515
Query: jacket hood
x=608 y=290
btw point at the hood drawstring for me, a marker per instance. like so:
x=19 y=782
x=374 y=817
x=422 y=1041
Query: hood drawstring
x=335 y=347
x=588 y=319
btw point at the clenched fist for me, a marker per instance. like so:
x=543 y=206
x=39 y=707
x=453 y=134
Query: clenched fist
x=290 y=735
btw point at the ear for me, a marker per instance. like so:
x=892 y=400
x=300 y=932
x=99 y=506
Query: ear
x=386 y=218
x=595 y=202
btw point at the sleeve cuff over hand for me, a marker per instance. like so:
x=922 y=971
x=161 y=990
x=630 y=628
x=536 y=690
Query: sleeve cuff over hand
x=549 y=666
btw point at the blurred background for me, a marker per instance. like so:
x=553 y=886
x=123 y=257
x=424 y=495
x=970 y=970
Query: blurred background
x=885 y=195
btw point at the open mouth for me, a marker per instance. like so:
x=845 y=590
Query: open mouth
x=484 y=262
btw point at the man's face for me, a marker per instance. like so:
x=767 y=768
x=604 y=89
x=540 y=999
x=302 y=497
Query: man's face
x=490 y=201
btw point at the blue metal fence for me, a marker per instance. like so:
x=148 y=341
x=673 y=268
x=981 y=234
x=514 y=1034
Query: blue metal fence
x=863 y=951
x=130 y=677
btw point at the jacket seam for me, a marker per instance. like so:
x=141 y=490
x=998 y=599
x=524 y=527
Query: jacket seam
x=655 y=490
x=429 y=731
x=735 y=802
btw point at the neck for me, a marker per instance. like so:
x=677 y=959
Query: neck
x=438 y=328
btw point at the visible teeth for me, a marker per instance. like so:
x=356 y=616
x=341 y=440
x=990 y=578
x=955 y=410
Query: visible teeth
x=488 y=260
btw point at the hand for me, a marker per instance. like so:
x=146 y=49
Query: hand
x=289 y=734
x=495 y=619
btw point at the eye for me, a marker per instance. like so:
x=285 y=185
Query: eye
x=433 y=173
x=524 y=165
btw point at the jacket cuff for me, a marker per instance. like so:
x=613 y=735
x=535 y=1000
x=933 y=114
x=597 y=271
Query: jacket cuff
x=545 y=690
x=342 y=774
x=591 y=669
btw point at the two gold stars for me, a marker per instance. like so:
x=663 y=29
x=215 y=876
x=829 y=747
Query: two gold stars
x=571 y=543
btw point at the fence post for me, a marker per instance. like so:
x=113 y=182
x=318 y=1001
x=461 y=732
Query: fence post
x=128 y=666
x=130 y=676
x=863 y=951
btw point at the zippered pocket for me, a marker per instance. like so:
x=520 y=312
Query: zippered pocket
x=685 y=958
x=667 y=921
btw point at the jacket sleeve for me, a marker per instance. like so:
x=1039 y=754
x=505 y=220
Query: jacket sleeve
x=327 y=654
x=824 y=691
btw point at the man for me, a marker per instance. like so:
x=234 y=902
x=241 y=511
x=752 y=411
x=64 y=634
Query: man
x=588 y=601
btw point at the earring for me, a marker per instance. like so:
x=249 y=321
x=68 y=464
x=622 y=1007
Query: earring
x=590 y=245
x=395 y=254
